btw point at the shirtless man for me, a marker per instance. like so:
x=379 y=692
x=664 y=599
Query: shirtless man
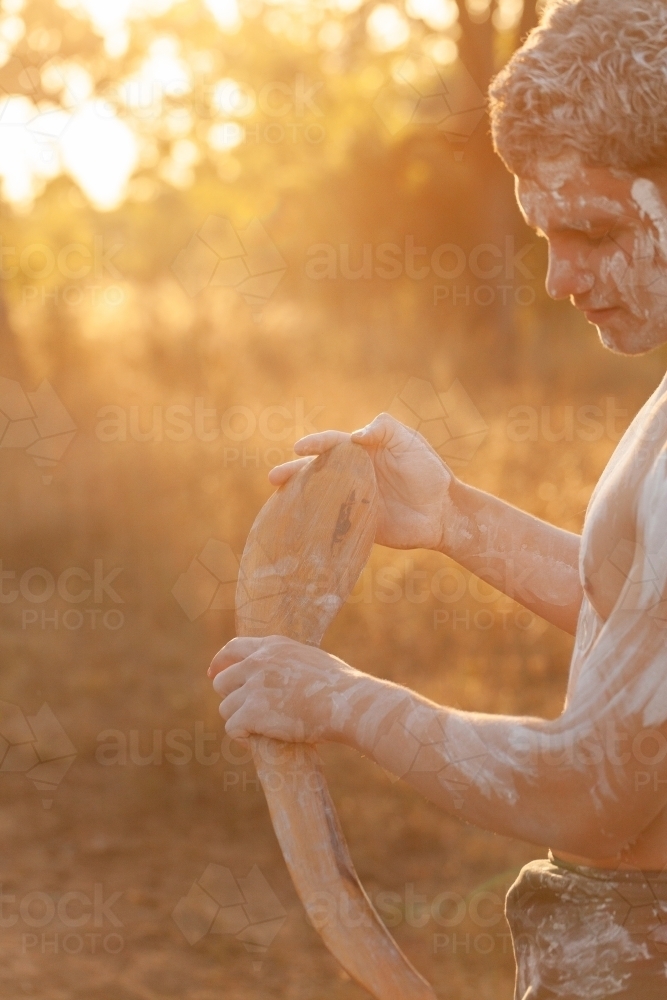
x=579 y=115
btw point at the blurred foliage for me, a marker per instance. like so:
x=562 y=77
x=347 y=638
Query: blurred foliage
x=324 y=149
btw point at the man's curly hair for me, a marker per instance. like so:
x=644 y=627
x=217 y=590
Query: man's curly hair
x=592 y=78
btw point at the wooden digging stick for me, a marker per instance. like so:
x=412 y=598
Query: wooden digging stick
x=302 y=558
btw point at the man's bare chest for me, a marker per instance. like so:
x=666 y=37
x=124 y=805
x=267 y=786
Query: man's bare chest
x=611 y=530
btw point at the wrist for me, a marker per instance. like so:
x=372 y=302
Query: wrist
x=374 y=726
x=352 y=700
x=454 y=521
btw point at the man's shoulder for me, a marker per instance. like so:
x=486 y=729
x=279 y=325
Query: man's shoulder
x=652 y=505
x=653 y=414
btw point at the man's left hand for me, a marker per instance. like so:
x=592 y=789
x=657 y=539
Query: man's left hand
x=279 y=688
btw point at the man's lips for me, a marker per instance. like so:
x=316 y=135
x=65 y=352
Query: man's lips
x=599 y=315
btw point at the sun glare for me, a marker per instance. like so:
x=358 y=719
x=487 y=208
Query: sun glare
x=437 y=14
x=100 y=154
x=27 y=156
x=387 y=28
x=226 y=13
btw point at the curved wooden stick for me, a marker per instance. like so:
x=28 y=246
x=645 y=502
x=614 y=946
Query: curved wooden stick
x=302 y=558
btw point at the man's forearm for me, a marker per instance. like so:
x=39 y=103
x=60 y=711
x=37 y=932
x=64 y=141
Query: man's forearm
x=531 y=561
x=518 y=777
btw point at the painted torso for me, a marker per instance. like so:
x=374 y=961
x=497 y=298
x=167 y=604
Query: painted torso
x=612 y=530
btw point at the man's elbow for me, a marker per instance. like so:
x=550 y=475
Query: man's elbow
x=601 y=830
x=595 y=842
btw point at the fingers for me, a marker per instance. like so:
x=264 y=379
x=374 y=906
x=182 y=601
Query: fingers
x=310 y=445
x=231 y=679
x=232 y=703
x=379 y=432
x=279 y=474
x=236 y=727
x=317 y=444
x=376 y=434
x=235 y=650
x=244 y=715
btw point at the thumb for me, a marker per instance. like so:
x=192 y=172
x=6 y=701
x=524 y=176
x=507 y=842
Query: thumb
x=380 y=431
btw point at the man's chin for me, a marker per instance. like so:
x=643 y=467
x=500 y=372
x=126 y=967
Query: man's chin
x=619 y=345
x=622 y=333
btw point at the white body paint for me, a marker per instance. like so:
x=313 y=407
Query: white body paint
x=593 y=782
x=517 y=775
x=620 y=258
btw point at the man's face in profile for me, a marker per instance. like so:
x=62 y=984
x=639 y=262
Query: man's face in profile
x=607 y=234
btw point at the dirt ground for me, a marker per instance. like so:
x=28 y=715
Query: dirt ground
x=156 y=806
x=130 y=829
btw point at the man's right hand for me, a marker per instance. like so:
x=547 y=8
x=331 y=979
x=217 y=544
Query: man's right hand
x=413 y=481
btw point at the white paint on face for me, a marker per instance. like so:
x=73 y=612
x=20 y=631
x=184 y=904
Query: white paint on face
x=607 y=233
x=553 y=174
x=612 y=206
x=613 y=269
x=564 y=270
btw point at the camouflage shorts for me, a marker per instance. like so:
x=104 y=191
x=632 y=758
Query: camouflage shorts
x=588 y=933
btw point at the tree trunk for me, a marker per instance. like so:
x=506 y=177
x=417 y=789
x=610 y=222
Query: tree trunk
x=529 y=18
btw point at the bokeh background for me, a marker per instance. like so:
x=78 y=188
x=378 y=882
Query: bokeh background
x=224 y=224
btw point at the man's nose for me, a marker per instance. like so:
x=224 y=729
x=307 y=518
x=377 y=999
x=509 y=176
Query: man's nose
x=567 y=275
